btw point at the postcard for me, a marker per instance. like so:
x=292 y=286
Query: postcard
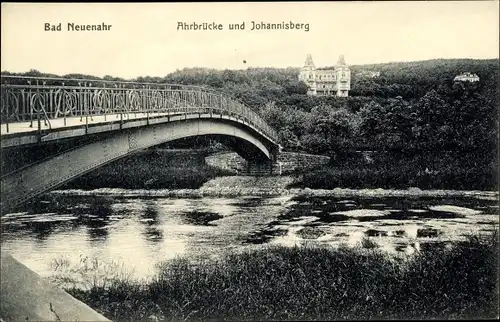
x=259 y=161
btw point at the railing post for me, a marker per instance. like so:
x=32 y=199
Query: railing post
x=86 y=106
x=133 y=91
x=7 y=125
x=39 y=126
x=39 y=121
x=222 y=109
x=145 y=102
x=90 y=102
x=113 y=102
x=64 y=103
x=51 y=105
x=46 y=118
x=104 y=95
x=28 y=99
x=4 y=94
x=123 y=101
x=169 y=110
x=79 y=100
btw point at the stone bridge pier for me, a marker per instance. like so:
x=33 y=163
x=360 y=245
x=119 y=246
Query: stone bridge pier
x=283 y=163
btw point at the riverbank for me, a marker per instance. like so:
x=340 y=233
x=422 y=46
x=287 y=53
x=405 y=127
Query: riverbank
x=174 y=169
x=234 y=186
x=320 y=283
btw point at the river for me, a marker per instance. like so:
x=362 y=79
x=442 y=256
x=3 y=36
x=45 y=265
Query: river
x=136 y=232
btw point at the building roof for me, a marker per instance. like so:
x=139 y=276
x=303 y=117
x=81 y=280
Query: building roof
x=467 y=76
x=309 y=61
x=341 y=60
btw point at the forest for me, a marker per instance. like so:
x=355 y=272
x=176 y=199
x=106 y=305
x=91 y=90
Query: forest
x=413 y=119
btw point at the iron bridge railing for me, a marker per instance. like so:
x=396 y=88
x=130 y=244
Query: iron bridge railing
x=41 y=99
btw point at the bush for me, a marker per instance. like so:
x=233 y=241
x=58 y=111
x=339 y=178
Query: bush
x=392 y=171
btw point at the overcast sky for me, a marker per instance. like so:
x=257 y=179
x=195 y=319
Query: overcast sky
x=144 y=39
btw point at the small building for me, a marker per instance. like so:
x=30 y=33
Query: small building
x=466 y=77
x=368 y=74
x=326 y=81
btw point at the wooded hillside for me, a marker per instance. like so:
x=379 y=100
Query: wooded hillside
x=410 y=106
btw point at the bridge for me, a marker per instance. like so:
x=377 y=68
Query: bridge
x=56 y=129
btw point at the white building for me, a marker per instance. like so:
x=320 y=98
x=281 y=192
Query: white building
x=368 y=74
x=466 y=77
x=326 y=81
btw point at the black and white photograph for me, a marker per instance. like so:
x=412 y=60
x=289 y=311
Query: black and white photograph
x=249 y=161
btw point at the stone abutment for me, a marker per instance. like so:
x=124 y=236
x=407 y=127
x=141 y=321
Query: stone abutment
x=286 y=163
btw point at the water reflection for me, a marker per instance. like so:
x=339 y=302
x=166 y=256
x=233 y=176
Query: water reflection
x=139 y=232
x=150 y=219
x=96 y=218
x=41 y=230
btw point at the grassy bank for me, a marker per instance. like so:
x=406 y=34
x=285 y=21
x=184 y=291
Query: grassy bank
x=462 y=172
x=151 y=169
x=312 y=283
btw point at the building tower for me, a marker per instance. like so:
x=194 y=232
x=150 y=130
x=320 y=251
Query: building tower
x=308 y=75
x=343 y=76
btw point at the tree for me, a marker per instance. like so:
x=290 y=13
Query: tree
x=328 y=130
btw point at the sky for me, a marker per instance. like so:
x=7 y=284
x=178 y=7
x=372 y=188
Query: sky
x=144 y=40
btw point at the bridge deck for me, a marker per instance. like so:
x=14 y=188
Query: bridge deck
x=21 y=133
x=59 y=123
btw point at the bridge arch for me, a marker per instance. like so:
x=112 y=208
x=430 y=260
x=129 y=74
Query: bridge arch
x=126 y=117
